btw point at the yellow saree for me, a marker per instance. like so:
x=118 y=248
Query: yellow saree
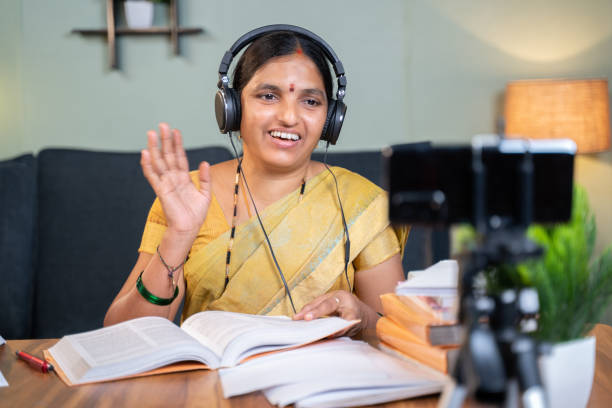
x=308 y=241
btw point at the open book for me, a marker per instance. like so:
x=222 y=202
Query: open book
x=334 y=373
x=213 y=339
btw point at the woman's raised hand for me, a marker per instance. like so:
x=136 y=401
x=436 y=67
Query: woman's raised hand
x=167 y=171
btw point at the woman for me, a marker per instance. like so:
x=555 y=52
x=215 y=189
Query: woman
x=207 y=216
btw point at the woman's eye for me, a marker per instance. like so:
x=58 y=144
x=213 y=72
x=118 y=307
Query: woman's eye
x=312 y=102
x=267 y=96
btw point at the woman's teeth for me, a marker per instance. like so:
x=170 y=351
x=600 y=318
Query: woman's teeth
x=283 y=135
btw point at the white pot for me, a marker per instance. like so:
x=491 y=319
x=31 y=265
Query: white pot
x=139 y=14
x=567 y=373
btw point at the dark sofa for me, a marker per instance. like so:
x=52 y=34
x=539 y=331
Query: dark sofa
x=70 y=226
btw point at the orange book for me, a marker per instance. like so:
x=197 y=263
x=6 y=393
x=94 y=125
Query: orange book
x=412 y=347
x=415 y=315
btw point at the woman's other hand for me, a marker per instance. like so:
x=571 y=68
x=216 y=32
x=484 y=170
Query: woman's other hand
x=343 y=304
x=369 y=285
x=167 y=170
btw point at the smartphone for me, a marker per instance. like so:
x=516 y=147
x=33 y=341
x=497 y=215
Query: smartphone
x=430 y=184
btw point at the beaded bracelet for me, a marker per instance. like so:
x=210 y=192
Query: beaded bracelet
x=171 y=269
x=151 y=298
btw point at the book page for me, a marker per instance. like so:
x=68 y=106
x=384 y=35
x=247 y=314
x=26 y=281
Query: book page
x=439 y=279
x=237 y=336
x=377 y=390
x=216 y=329
x=365 y=396
x=125 y=348
x=335 y=363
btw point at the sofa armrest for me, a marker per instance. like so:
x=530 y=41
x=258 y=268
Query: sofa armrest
x=17 y=241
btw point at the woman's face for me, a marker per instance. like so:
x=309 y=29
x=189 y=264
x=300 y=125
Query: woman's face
x=284 y=107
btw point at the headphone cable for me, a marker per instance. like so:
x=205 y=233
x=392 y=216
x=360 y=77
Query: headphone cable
x=347 y=243
x=280 y=272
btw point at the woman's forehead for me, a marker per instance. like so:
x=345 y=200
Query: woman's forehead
x=296 y=69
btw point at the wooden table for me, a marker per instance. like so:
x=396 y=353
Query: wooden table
x=29 y=388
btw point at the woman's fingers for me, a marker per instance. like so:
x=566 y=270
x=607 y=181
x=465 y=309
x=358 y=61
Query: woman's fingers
x=167 y=146
x=339 y=303
x=171 y=155
x=309 y=307
x=204 y=176
x=148 y=170
x=157 y=161
x=181 y=157
x=326 y=305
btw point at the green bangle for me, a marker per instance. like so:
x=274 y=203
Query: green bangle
x=151 y=298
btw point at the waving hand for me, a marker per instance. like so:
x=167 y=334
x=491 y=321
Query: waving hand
x=167 y=171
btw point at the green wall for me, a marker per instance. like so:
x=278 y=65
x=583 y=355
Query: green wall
x=417 y=70
x=12 y=137
x=421 y=69
x=71 y=98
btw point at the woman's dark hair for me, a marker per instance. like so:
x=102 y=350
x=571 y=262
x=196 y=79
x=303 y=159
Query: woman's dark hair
x=277 y=44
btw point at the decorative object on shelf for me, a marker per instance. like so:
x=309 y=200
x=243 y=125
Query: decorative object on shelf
x=111 y=32
x=549 y=109
x=138 y=13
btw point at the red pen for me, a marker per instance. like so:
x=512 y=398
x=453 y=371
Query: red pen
x=35 y=362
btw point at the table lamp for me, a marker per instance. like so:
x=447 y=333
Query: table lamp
x=550 y=109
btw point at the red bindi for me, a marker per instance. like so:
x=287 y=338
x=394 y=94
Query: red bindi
x=291 y=87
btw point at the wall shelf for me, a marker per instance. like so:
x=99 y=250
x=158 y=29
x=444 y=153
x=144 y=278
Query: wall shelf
x=111 y=31
x=137 y=31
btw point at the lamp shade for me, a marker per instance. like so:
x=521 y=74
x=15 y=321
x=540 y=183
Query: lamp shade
x=550 y=109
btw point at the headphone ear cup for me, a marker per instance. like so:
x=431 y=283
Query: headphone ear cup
x=237 y=111
x=227 y=110
x=221 y=111
x=331 y=108
x=333 y=123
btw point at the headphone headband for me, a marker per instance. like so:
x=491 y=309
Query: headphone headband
x=252 y=35
x=227 y=100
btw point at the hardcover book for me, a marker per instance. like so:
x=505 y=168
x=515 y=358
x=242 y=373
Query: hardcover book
x=206 y=340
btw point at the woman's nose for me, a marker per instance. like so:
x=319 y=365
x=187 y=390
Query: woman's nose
x=288 y=112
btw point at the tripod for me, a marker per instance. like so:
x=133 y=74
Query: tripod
x=496 y=360
x=495 y=354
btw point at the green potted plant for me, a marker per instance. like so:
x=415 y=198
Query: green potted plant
x=574 y=288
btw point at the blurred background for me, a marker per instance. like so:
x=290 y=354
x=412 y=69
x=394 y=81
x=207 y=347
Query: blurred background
x=417 y=70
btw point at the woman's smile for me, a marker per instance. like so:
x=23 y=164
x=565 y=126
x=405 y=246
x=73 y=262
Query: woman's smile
x=279 y=134
x=285 y=139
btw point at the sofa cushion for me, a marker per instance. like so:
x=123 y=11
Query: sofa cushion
x=368 y=164
x=92 y=211
x=17 y=225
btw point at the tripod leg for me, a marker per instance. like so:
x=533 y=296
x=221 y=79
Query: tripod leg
x=512 y=394
x=455 y=391
x=453 y=395
x=526 y=357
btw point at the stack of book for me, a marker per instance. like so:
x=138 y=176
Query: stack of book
x=420 y=318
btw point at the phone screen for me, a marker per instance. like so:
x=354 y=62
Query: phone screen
x=417 y=173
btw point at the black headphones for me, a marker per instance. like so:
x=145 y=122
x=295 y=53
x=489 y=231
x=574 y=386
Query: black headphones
x=227 y=100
